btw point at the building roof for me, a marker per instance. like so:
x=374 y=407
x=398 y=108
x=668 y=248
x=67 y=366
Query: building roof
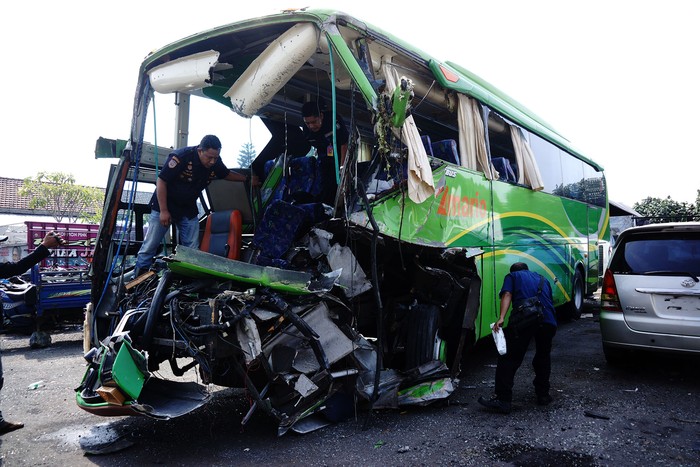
x=620 y=209
x=10 y=199
x=11 y=202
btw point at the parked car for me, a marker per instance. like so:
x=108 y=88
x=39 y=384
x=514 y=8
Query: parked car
x=650 y=298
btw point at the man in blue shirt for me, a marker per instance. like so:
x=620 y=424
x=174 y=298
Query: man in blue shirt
x=186 y=173
x=518 y=285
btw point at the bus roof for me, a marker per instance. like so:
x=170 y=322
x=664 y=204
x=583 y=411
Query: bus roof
x=466 y=82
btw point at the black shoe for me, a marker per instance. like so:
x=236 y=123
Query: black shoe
x=6 y=427
x=544 y=400
x=495 y=404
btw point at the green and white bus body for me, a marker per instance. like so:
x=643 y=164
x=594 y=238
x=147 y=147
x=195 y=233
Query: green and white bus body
x=556 y=236
x=446 y=183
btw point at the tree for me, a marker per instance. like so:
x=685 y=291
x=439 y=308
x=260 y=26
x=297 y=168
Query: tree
x=246 y=156
x=659 y=210
x=57 y=193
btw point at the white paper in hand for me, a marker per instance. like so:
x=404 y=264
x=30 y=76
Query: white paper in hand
x=500 y=339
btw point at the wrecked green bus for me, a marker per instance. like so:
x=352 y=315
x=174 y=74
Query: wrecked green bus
x=370 y=297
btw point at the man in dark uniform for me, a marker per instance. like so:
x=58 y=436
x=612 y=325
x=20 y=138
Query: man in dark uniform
x=9 y=269
x=186 y=173
x=518 y=285
x=318 y=129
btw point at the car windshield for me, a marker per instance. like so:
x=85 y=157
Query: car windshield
x=659 y=253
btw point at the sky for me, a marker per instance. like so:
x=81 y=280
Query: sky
x=619 y=79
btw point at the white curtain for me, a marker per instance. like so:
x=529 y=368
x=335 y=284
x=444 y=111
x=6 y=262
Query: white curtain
x=472 y=140
x=529 y=173
x=420 y=175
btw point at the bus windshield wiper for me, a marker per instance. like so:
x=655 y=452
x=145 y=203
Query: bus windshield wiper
x=671 y=273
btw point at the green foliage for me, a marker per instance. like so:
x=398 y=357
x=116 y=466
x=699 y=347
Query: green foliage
x=246 y=156
x=57 y=193
x=667 y=210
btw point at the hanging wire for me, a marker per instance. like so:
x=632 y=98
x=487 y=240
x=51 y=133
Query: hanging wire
x=336 y=156
x=136 y=156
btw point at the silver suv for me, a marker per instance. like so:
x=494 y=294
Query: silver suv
x=650 y=298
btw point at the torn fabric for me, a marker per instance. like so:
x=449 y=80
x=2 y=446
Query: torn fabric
x=529 y=173
x=420 y=176
x=472 y=139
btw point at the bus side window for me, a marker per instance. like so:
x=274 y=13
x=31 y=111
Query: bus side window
x=549 y=162
x=501 y=149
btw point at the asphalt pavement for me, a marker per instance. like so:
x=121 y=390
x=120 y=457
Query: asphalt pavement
x=643 y=414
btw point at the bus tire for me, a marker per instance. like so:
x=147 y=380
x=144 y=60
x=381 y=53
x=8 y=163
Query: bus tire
x=572 y=309
x=421 y=334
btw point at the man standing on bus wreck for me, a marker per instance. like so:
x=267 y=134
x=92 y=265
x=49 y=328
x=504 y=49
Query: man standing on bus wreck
x=186 y=173
x=520 y=284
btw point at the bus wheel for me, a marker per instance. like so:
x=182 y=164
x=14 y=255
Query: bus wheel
x=572 y=310
x=421 y=335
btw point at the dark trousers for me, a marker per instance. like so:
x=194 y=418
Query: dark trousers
x=329 y=185
x=516 y=347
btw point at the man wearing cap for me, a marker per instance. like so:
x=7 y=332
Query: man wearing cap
x=9 y=269
x=186 y=173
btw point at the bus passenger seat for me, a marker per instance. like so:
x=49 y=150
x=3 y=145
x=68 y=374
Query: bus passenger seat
x=304 y=176
x=505 y=170
x=280 y=226
x=276 y=191
x=222 y=234
x=446 y=150
x=303 y=180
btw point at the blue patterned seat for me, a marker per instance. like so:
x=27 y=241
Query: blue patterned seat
x=304 y=176
x=279 y=228
x=282 y=224
x=303 y=179
x=446 y=150
x=505 y=170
